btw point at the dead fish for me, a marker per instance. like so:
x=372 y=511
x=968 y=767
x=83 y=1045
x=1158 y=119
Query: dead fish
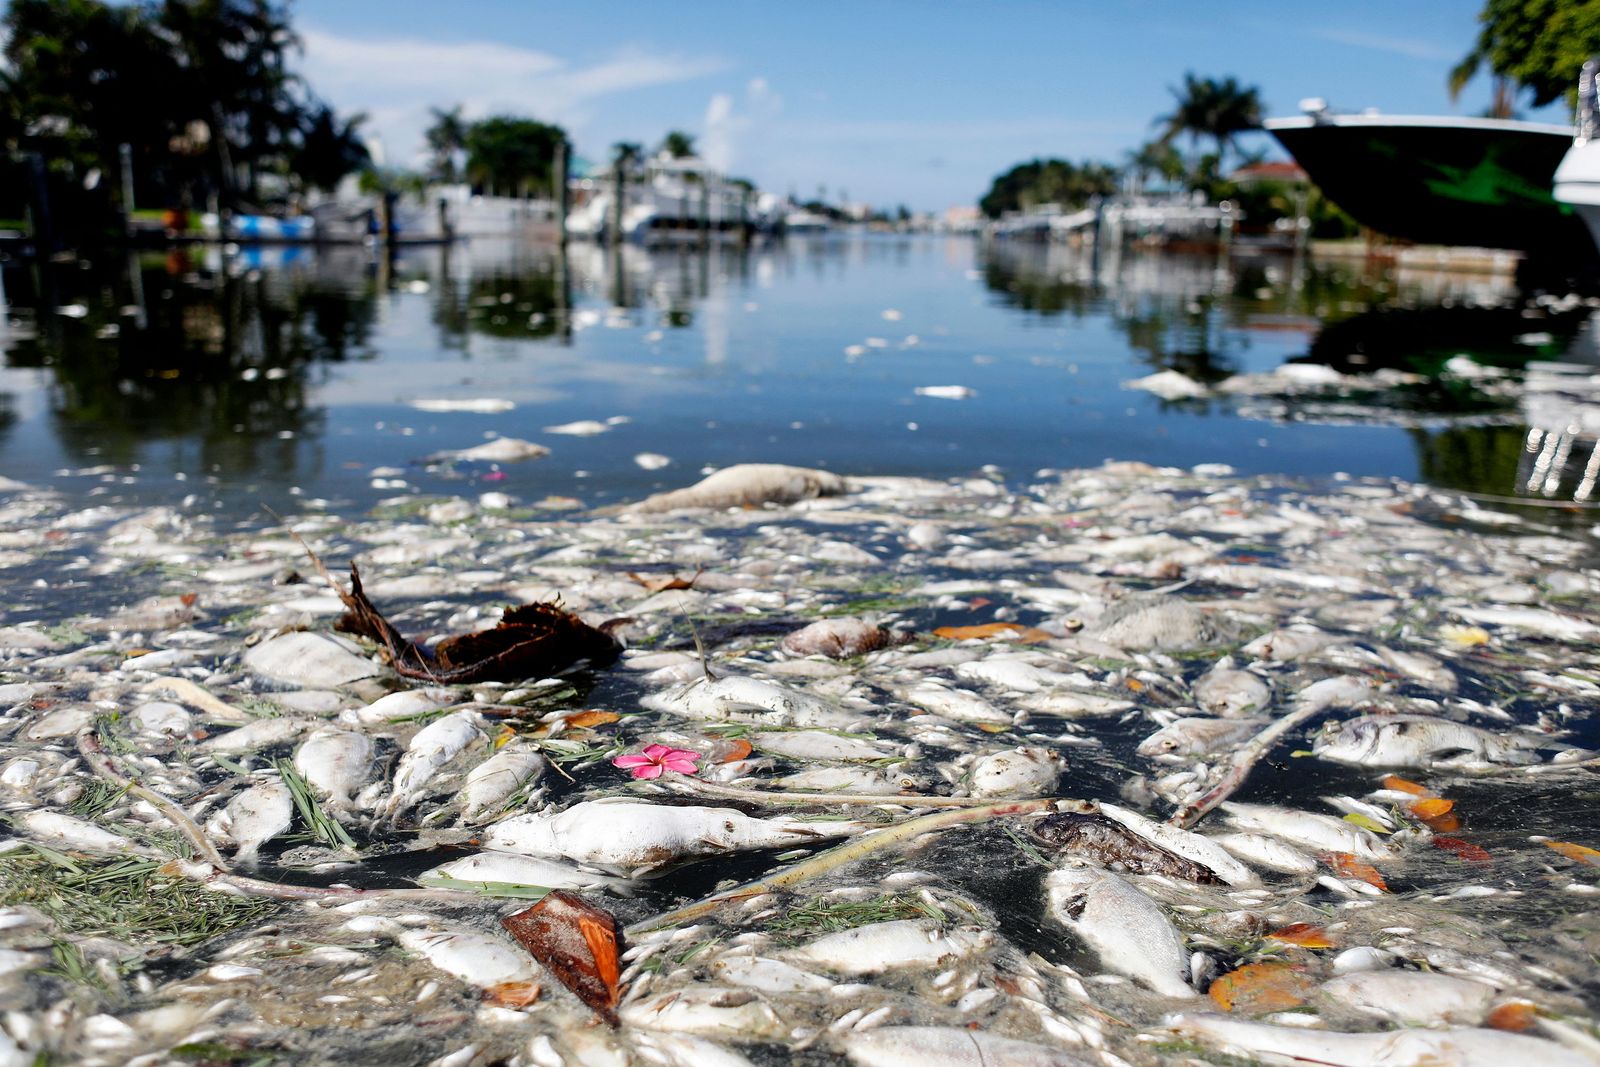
x=863 y=780
x=1128 y=930
x=253 y=736
x=1295 y=642
x=1016 y=675
x=751 y=700
x=1421 y=668
x=1186 y=843
x=1142 y=623
x=497 y=779
x=948 y=1046
x=481 y=959
x=1269 y=852
x=747 y=485
x=1109 y=843
x=956 y=704
x=1402 y=1048
x=631 y=834
x=1197 y=736
x=1321 y=832
x=1231 y=693
x=1411 y=998
x=768 y=975
x=1025 y=771
x=885 y=946
x=255 y=817
x=68 y=832
x=1417 y=741
x=335 y=762
x=841 y=639
x=815 y=744
x=433 y=746
x=514 y=869
x=707 y=1011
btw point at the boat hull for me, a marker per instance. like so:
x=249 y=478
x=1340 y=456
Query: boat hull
x=1484 y=183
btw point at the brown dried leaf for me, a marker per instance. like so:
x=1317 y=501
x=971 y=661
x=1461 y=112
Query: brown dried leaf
x=1305 y=935
x=1347 y=866
x=1515 y=1016
x=1257 y=988
x=590 y=717
x=657 y=584
x=576 y=942
x=512 y=994
x=1581 y=853
x=1009 y=631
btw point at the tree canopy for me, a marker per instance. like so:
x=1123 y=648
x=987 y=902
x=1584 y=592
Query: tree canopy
x=200 y=90
x=677 y=144
x=1532 y=47
x=1048 y=181
x=510 y=156
x=1218 y=108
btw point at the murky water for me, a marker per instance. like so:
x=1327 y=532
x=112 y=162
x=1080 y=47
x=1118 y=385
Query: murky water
x=280 y=374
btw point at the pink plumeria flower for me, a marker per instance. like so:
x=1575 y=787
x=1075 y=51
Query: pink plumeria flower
x=657 y=758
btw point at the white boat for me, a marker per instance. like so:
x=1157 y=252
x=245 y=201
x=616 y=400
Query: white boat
x=680 y=198
x=1577 y=181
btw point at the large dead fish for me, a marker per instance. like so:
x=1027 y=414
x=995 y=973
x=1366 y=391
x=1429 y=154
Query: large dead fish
x=1418 y=741
x=633 y=835
x=1128 y=930
x=1402 y=1048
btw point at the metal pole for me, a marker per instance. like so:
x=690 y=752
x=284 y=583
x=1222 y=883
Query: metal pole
x=125 y=156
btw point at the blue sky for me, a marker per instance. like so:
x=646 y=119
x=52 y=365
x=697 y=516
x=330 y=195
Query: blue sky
x=890 y=101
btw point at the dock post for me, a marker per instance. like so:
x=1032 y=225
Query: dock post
x=560 y=191
x=40 y=221
x=125 y=157
x=619 y=189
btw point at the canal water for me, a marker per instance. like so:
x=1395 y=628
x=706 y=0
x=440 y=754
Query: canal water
x=288 y=377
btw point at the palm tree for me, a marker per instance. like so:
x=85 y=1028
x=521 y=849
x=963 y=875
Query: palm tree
x=677 y=144
x=1211 y=108
x=329 y=149
x=446 y=137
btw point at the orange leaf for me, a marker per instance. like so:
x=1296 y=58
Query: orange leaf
x=1581 y=853
x=1256 y=988
x=1444 y=824
x=1401 y=785
x=1430 y=807
x=991 y=727
x=591 y=717
x=1303 y=934
x=1012 y=631
x=1465 y=849
x=1347 y=866
x=1135 y=684
x=737 y=749
x=578 y=943
x=1514 y=1015
x=512 y=994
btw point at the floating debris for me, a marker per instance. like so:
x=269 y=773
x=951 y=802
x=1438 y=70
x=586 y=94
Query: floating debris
x=890 y=771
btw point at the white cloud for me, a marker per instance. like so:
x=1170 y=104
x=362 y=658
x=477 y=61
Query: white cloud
x=938 y=130
x=395 y=81
x=733 y=132
x=1402 y=46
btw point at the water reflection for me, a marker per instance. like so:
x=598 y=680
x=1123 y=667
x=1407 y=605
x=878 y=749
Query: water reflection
x=290 y=370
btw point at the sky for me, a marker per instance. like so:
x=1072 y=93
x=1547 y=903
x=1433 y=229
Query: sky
x=884 y=101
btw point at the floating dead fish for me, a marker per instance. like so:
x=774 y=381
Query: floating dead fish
x=494 y=781
x=1026 y=771
x=841 y=639
x=1186 y=843
x=433 y=746
x=1231 y=693
x=510 y=868
x=749 y=700
x=1145 y=622
x=482 y=959
x=1198 y=736
x=1418 y=741
x=956 y=704
x=335 y=762
x=1269 y=852
x=885 y=946
x=255 y=817
x=634 y=835
x=707 y=1011
x=747 y=485
x=1321 y=832
x=949 y=1046
x=1411 y=998
x=1403 y=1048
x=1128 y=930
x=1109 y=843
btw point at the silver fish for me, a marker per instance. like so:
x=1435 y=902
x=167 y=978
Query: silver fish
x=1197 y=736
x=1129 y=931
x=1403 y=1048
x=1417 y=741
